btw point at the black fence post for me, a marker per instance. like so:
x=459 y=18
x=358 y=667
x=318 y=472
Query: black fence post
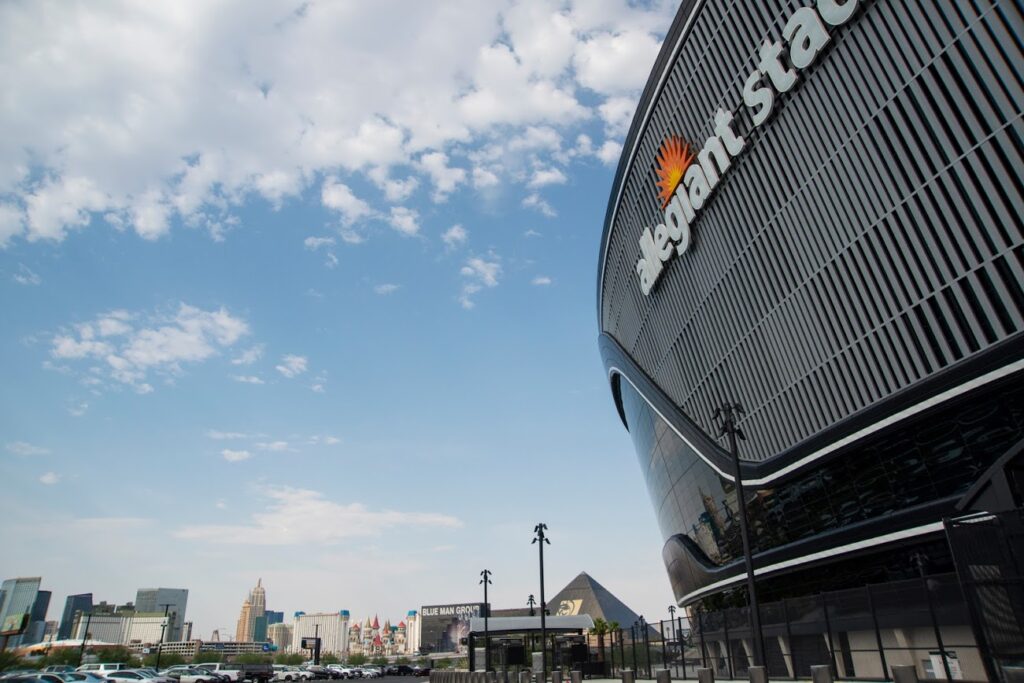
x=935 y=625
x=728 y=643
x=682 y=646
x=828 y=631
x=622 y=651
x=700 y=632
x=878 y=633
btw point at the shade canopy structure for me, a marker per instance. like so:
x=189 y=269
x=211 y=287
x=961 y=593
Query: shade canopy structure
x=498 y=625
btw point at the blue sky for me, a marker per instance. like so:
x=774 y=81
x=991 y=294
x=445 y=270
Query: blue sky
x=306 y=292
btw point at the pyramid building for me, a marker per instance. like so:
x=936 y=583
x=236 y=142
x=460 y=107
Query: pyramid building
x=583 y=595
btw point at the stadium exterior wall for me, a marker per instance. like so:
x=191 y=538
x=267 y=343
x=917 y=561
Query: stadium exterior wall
x=853 y=275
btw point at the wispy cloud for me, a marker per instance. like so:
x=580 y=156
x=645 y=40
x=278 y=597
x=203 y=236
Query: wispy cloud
x=479 y=273
x=221 y=436
x=247 y=379
x=24 y=448
x=386 y=288
x=50 y=478
x=278 y=446
x=127 y=347
x=249 y=356
x=25 y=276
x=235 y=456
x=541 y=281
x=292 y=366
x=455 y=236
x=534 y=201
x=296 y=516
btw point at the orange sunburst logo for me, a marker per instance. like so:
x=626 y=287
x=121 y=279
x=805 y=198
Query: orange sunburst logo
x=674 y=157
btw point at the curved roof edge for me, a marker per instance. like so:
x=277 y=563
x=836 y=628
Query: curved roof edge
x=666 y=56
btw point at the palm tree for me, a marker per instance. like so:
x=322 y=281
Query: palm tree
x=599 y=630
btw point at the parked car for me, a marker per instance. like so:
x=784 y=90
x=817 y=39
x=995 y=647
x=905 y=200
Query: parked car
x=231 y=671
x=82 y=677
x=420 y=669
x=58 y=669
x=134 y=675
x=102 y=669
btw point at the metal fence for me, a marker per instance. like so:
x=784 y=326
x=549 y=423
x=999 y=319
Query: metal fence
x=988 y=550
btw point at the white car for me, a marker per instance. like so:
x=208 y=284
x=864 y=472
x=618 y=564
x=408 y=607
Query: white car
x=285 y=673
x=229 y=670
x=187 y=674
x=100 y=669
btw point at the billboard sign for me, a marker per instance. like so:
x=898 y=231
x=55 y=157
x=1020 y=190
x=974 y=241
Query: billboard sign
x=14 y=624
x=444 y=627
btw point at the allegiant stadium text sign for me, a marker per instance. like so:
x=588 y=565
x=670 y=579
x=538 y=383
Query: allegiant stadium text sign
x=684 y=186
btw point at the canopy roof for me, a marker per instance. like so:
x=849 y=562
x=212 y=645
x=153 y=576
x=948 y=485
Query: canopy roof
x=554 y=624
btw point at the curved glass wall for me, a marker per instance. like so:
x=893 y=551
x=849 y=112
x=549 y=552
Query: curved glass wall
x=933 y=457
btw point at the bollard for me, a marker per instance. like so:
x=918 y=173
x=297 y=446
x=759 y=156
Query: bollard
x=576 y=676
x=904 y=673
x=758 y=674
x=821 y=673
x=628 y=676
x=491 y=677
x=663 y=676
x=525 y=677
x=705 y=676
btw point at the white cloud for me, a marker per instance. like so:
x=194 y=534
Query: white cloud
x=546 y=176
x=405 y=220
x=137 y=344
x=249 y=356
x=444 y=177
x=314 y=243
x=610 y=152
x=541 y=281
x=534 y=201
x=616 y=63
x=24 y=448
x=304 y=517
x=220 y=436
x=247 y=379
x=176 y=114
x=531 y=233
x=276 y=446
x=12 y=223
x=483 y=177
x=386 y=288
x=480 y=273
x=337 y=196
x=25 y=276
x=455 y=236
x=292 y=366
x=50 y=478
x=617 y=114
x=78 y=409
x=235 y=456
x=318 y=388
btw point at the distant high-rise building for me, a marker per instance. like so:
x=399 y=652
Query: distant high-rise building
x=274 y=618
x=186 y=631
x=50 y=632
x=333 y=631
x=253 y=608
x=75 y=603
x=174 y=600
x=280 y=634
x=22 y=596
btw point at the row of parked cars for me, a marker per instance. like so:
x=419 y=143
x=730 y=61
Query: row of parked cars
x=207 y=673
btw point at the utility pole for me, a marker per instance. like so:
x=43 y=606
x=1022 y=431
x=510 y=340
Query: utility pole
x=540 y=539
x=729 y=413
x=163 y=630
x=485 y=579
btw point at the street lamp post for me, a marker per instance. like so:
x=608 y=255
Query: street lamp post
x=728 y=413
x=485 y=579
x=85 y=637
x=163 y=630
x=540 y=539
x=672 y=629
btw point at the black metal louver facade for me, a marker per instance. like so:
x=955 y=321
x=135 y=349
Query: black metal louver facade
x=869 y=236
x=856 y=281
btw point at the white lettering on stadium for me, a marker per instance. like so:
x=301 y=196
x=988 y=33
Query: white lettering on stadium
x=805 y=35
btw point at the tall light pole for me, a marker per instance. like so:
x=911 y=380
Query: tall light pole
x=85 y=637
x=540 y=539
x=163 y=629
x=729 y=413
x=485 y=579
x=672 y=622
